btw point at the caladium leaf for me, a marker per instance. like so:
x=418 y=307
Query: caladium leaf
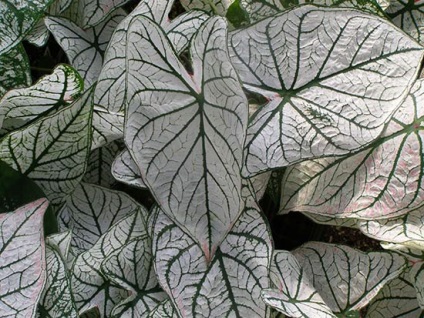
x=56 y=299
x=107 y=127
x=397 y=299
x=410 y=253
x=384 y=180
x=17 y=18
x=85 y=47
x=53 y=150
x=260 y=9
x=164 y=310
x=229 y=284
x=205 y=118
x=21 y=106
x=131 y=267
x=312 y=115
x=14 y=70
x=100 y=165
x=91 y=288
x=22 y=259
x=90 y=211
x=259 y=184
x=417 y=278
x=295 y=296
x=61 y=242
x=347 y=279
x=125 y=170
x=218 y=7
x=409 y=16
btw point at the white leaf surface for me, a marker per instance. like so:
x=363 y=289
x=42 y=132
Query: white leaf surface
x=259 y=184
x=383 y=180
x=85 y=47
x=90 y=211
x=294 y=296
x=53 y=150
x=187 y=132
x=125 y=170
x=417 y=278
x=164 y=310
x=90 y=287
x=131 y=267
x=229 y=284
x=22 y=259
x=260 y=9
x=347 y=279
x=331 y=104
x=107 y=127
x=21 y=106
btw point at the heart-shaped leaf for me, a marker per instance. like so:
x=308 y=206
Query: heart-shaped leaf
x=90 y=211
x=125 y=170
x=21 y=106
x=204 y=118
x=131 y=267
x=347 y=279
x=85 y=47
x=331 y=104
x=22 y=259
x=229 y=284
x=90 y=287
x=53 y=150
x=295 y=296
x=383 y=180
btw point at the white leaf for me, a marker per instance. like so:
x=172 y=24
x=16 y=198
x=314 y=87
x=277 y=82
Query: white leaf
x=53 y=150
x=259 y=183
x=295 y=296
x=22 y=260
x=187 y=132
x=331 y=104
x=347 y=279
x=125 y=170
x=107 y=127
x=164 y=310
x=229 y=284
x=417 y=278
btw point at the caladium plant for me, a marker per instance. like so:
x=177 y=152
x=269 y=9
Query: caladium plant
x=140 y=161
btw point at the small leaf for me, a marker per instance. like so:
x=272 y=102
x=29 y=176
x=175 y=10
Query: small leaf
x=313 y=109
x=125 y=170
x=22 y=259
x=53 y=150
x=295 y=296
x=51 y=92
x=345 y=278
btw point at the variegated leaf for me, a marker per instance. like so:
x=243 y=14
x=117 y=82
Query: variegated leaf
x=347 y=279
x=85 y=47
x=125 y=170
x=229 y=284
x=53 y=150
x=164 y=310
x=107 y=127
x=187 y=132
x=218 y=7
x=90 y=211
x=397 y=299
x=22 y=259
x=383 y=180
x=410 y=252
x=259 y=184
x=61 y=242
x=294 y=294
x=91 y=288
x=331 y=104
x=409 y=16
x=417 y=279
x=100 y=165
x=14 y=71
x=21 y=106
x=131 y=267
x=17 y=18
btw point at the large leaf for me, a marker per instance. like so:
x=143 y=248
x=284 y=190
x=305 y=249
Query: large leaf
x=90 y=286
x=22 y=260
x=125 y=170
x=90 y=211
x=330 y=104
x=16 y=20
x=295 y=296
x=187 y=132
x=397 y=299
x=85 y=47
x=14 y=70
x=384 y=180
x=131 y=267
x=229 y=284
x=21 y=106
x=53 y=150
x=347 y=279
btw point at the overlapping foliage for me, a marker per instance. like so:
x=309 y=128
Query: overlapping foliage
x=198 y=110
